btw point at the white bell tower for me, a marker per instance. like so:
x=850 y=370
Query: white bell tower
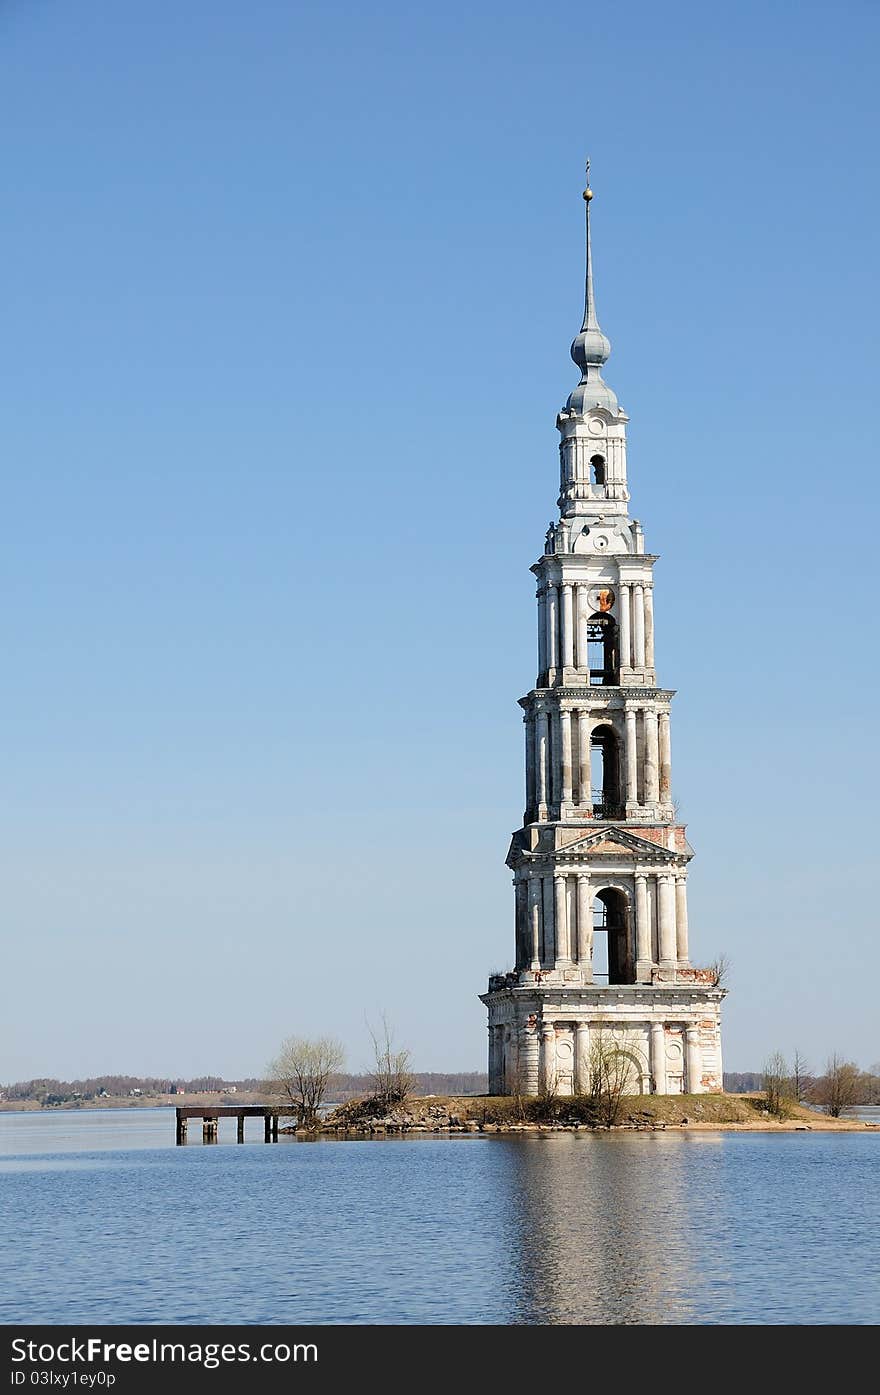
x=600 y=864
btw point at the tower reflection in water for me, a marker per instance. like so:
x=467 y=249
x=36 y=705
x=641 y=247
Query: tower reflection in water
x=604 y=1228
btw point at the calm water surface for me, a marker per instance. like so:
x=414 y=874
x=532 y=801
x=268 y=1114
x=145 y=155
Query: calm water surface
x=101 y=1219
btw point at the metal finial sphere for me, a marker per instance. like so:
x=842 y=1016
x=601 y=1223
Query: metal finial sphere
x=588 y=194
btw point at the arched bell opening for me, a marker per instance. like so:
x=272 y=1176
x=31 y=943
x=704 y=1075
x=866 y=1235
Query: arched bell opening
x=612 y=942
x=605 y=773
x=602 y=651
x=597 y=469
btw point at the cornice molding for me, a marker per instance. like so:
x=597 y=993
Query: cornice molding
x=601 y=697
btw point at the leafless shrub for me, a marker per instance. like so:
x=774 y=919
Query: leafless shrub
x=778 y=1091
x=610 y=1070
x=720 y=969
x=838 y=1088
x=391 y=1075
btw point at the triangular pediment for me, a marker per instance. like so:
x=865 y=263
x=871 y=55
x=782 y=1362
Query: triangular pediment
x=620 y=843
x=617 y=840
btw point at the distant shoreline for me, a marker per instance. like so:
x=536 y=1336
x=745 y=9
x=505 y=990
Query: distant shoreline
x=474 y=1115
x=129 y=1102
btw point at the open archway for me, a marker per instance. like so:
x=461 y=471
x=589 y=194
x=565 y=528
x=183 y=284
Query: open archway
x=605 y=773
x=613 y=960
x=602 y=651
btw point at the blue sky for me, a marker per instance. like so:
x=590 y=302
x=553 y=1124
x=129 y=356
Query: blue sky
x=287 y=297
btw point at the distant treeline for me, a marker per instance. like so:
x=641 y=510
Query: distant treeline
x=742 y=1082
x=866 y=1083
x=472 y=1082
x=92 y=1087
x=49 y=1091
x=344 y=1087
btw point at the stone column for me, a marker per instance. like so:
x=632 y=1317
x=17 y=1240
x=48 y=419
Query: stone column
x=531 y=784
x=535 y=907
x=694 y=1059
x=652 y=765
x=649 y=626
x=585 y=925
x=552 y=626
x=547 y=1068
x=563 y=951
x=542 y=634
x=638 y=624
x=632 y=751
x=582 y=610
x=548 y=955
x=493 y=1060
x=681 y=919
x=527 y=1060
x=542 y=755
x=658 y=1057
x=581 y=1058
x=565 y=727
x=623 y=603
x=585 y=796
x=511 y=1061
x=523 y=938
x=567 y=626
x=666 y=920
x=644 y=958
x=665 y=757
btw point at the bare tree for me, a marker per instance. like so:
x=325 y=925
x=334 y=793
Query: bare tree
x=777 y=1085
x=837 y=1089
x=391 y=1075
x=800 y=1076
x=610 y=1069
x=301 y=1073
x=720 y=969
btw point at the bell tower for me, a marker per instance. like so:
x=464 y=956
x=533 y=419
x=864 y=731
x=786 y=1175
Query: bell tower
x=600 y=863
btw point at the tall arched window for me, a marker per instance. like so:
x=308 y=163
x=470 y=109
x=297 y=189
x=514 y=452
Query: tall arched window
x=612 y=957
x=602 y=651
x=605 y=773
x=597 y=469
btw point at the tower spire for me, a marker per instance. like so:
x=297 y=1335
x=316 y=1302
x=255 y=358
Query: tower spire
x=590 y=321
x=591 y=348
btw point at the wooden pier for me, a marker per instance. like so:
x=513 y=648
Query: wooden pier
x=211 y=1114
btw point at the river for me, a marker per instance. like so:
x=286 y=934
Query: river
x=104 y=1220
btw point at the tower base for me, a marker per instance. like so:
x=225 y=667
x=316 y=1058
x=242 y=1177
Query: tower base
x=665 y=1039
